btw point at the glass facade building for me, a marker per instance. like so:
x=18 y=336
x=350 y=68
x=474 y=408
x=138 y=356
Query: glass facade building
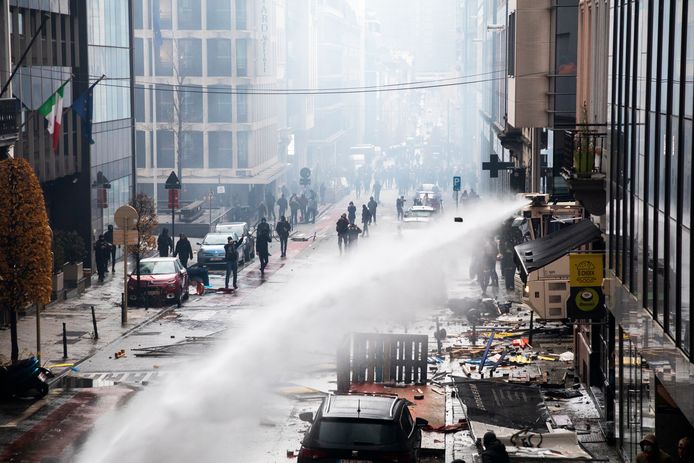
x=651 y=76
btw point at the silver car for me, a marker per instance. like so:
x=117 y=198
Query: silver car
x=243 y=230
x=212 y=252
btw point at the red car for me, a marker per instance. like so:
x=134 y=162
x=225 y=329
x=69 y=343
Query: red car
x=162 y=278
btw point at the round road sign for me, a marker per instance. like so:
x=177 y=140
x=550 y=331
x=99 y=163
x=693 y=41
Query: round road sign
x=126 y=216
x=305 y=172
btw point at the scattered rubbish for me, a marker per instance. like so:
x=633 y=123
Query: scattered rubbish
x=563 y=393
x=567 y=357
x=119 y=354
x=461 y=425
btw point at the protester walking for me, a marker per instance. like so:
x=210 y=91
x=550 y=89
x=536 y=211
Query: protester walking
x=102 y=251
x=184 y=251
x=372 y=205
x=231 y=256
x=164 y=243
x=282 y=204
x=313 y=209
x=283 y=228
x=303 y=206
x=400 y=207
x=377 y=192
x=365 y=219
x=351 y=212
x=108 y=236
x=294 y=208
x=262 y=210
x=263 y=238
x=270 y=203
x=342 y=229
x=353 y=233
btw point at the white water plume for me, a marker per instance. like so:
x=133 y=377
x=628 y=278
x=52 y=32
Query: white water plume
x=212 y=412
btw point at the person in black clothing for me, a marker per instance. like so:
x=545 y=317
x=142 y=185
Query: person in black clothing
x=164 y=243
x=183 y=250
x=353 y=233
x=365 y=219
x=342 y=229
x=270 y=202
x=264 y=236
x=231 y=256
x=108 y=236
x=351 y=212
x=372 y=205
x=494 y=450
x=400 y=206
x=283 y=228
x=282 y=203
x=102 y=251
x=262 y=210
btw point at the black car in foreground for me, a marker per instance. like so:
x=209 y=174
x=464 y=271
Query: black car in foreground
x=362 y=428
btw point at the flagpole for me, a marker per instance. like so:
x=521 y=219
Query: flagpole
x=24 y=55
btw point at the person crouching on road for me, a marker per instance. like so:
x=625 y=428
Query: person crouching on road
x=342 y=229
x=183 y=250
x=231 y=256
x=283 y=228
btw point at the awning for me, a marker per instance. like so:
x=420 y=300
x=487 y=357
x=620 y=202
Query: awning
x=535 y=254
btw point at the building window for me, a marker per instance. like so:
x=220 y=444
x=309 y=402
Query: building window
x=139 y=58
x=164 y=61
x=242 y=58
x=165 y=149
x=137 y=14
x=141 y=149
x=190 y=52
x=219 y=104
x=191 y=149
x=511 y=52
x=219 y=15
x=189 y=14
x=241 y=15
x=242 y=105
x=165 y=103
x=140 y=103
x=165 y=13
x=191 y=103
x=242 y=161
x=221 y=150
x=219 y=57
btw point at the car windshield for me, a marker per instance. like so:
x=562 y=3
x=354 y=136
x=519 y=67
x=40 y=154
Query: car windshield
x=157 y=268
x=351 y=432
x=419 y=214
x=216 y=239
x=237 y=228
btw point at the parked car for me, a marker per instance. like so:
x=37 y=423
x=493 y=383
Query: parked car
x=243 y=230
x=211 y=251
x=161 y=278
x=417 y=215
x=363 y=428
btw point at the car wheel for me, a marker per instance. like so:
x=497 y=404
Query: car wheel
x=186 y=295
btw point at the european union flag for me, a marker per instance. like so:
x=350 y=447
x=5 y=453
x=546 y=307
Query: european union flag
x=83 y=106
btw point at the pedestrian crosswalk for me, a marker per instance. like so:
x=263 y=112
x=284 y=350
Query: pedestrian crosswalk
x=123 y=377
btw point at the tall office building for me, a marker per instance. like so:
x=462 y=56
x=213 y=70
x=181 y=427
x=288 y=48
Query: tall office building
x=80 y=42
x=200 y=67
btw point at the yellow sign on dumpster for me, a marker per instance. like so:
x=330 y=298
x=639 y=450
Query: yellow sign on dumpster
x=585 y=270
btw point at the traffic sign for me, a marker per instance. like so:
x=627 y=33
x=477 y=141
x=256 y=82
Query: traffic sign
x=456 y=183
x=173 y=182
x=220 y=189
x=304 y=181
x=305 y=172
x=126 y=217
x=173 y=199
x=119 y=237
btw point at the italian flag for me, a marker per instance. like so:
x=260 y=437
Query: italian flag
x=52 y=110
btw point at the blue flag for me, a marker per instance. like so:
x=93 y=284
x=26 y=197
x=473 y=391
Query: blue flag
x=83 y=106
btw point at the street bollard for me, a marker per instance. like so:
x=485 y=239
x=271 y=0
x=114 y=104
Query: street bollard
x=96 y=331
x=530 y=334
x=64 y=341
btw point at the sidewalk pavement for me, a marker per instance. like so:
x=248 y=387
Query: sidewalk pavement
x=76 y=314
